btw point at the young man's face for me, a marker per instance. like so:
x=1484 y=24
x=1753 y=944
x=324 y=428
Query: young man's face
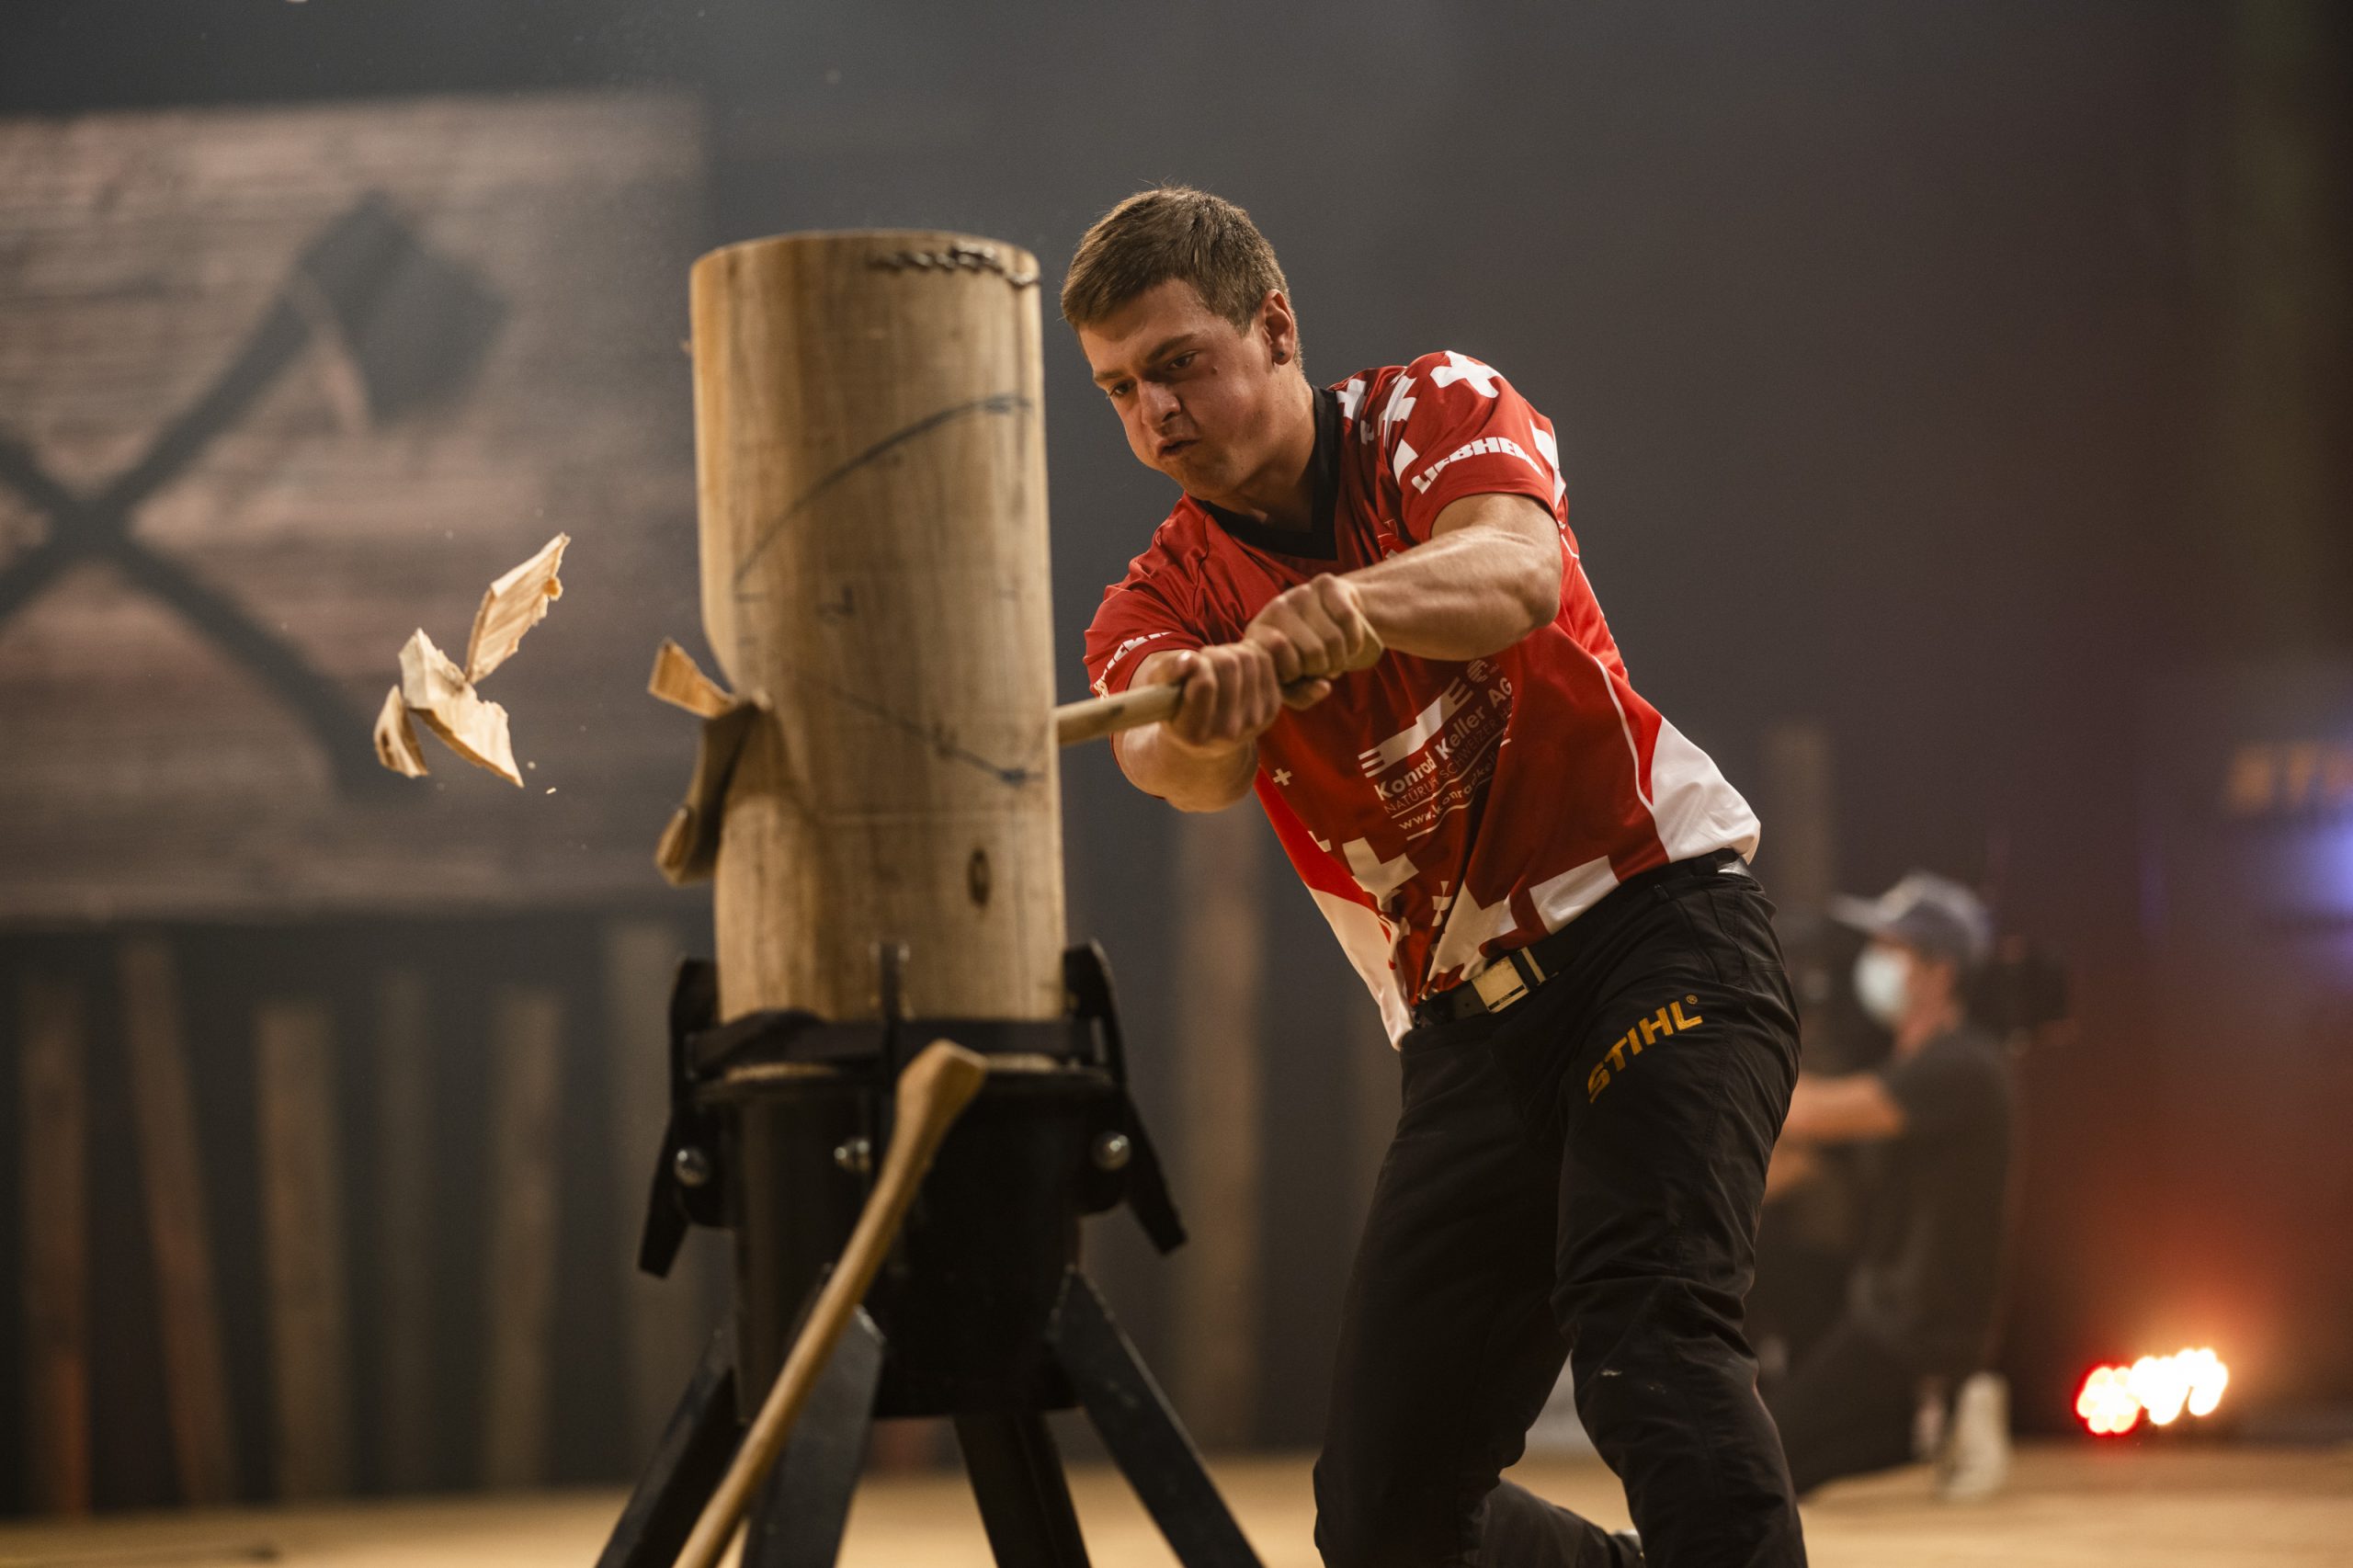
x=1198 y=398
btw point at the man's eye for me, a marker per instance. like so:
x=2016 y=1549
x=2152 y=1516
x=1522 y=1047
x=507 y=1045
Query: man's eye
x=1184 y=359
x=1119 y=390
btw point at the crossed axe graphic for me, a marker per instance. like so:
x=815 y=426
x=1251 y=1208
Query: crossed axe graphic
x=406 y=329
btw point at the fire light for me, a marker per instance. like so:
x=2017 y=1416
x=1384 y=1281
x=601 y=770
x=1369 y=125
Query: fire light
x=2106 y=1404
x=2113 y=1399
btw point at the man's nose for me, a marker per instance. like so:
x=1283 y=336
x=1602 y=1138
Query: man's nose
x=1156 y=404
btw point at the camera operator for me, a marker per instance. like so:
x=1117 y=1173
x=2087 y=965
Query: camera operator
x=1930 y=1128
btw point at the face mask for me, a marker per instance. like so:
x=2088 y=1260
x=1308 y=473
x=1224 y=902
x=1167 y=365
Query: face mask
x=1883 y=984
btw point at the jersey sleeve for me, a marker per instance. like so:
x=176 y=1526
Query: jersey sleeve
x=1148 y=611
x=1451 y=426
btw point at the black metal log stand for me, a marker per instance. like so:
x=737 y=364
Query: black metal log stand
x=982 y=1313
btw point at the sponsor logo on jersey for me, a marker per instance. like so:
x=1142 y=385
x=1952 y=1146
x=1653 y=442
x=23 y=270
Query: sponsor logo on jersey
x=1485 y=445
x=1407 y=741
x=1438 y=765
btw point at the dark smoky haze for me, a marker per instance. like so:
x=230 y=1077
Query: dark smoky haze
x=1954 y=404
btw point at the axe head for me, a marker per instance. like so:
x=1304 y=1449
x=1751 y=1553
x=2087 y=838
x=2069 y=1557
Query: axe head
x=413 y=323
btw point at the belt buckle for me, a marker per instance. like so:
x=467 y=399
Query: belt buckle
x=1498 y=985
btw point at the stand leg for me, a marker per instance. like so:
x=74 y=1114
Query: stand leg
x=797 y=1521
x=1025 y=1500
x=685 y=1469
x=1143 y=1434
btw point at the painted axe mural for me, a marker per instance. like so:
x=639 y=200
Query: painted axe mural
x=277 y=386
x=402 y=328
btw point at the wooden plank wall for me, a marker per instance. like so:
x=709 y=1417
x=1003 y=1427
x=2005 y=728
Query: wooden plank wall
x=665 y=1323
x=148 y=773
x=53 y=1109
x=385 y=1238
x=302 y=1231
x=196 y=1384
x=406 y=1143
x=518 y=1270
x=150 y=776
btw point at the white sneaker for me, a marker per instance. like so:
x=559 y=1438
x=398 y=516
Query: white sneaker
x=1975 y=1458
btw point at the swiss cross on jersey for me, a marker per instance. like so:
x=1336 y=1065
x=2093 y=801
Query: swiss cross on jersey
x=1441 y=814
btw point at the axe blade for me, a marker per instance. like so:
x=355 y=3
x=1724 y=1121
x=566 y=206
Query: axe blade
x=414 y=323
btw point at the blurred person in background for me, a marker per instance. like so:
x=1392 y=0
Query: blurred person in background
x=1904 y=1372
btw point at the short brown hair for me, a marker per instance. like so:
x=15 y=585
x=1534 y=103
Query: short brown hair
x=1172 y=231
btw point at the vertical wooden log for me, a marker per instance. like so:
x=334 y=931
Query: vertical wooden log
x=54 y=1108
x=872 y=480
x=526 y=1036
x=303 y=1231
x=1799 y=862
x=665 y=1321
x=405 y=1238
x=196 y=1384
x=1220 y=936
x=1800 y=857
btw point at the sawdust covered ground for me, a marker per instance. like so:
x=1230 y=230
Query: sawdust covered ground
x=2068 y=1505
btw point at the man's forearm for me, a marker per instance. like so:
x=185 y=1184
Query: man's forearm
x=1188 y=780
x=1474 y=588
x=1488 y=575
x=1203 y=759
x=1850 y=1108
x=1793 y=1166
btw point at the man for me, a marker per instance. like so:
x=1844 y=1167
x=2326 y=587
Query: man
x=1933 y=1123
x=1382 y=626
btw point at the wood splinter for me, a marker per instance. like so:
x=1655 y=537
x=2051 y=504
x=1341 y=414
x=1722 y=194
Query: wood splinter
x=432 y=688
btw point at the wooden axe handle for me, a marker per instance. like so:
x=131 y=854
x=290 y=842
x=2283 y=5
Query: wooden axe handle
x=933 y=1091
x=1128 y=709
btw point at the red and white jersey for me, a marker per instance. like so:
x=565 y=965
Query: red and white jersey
x=1440 y=812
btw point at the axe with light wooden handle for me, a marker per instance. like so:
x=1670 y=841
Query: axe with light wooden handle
x=1128 y=709
x=933 y=1091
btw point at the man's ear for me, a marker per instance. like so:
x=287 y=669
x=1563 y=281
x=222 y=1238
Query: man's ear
x=1280 y=328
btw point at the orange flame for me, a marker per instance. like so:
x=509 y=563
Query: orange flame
x=2113 y=1399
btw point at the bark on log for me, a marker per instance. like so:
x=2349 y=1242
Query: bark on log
x=872 y=465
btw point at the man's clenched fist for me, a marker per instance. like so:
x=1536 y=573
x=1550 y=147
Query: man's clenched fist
x=1314 y=631
x=1231 y=694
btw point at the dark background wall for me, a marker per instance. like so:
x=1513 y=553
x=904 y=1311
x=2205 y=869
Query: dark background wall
x=1910 y=363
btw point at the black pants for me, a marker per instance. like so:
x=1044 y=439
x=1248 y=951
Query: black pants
x=1847 y=1407
x=1579 y=1174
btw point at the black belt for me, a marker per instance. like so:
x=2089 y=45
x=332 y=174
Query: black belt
x=1516 y=974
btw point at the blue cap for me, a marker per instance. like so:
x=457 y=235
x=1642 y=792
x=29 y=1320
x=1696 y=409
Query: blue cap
x=1936 y=914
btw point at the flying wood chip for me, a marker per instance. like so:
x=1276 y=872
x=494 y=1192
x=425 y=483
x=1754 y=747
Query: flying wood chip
x=689 y=848
x=515 y=604
x=396 y=745
x=433 y=689
x=680 y=681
